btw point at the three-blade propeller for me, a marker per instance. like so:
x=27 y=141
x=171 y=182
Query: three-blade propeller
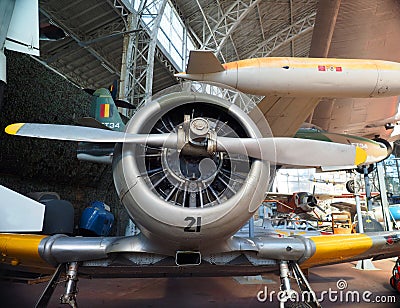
x=287 y=151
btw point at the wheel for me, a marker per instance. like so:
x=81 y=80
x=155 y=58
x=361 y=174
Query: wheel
x=350 y=186
x=393 y=282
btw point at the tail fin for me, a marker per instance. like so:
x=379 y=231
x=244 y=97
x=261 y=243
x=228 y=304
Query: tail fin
x=203 y=62
x=104 y=110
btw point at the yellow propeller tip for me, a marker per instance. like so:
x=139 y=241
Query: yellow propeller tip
x=13 y=128
x=361 y=156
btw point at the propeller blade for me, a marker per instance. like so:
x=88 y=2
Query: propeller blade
x=89 y=91
x=87 y=134
x=294 y=151
x=316 y=214
x=123 y=104
x=287 y=151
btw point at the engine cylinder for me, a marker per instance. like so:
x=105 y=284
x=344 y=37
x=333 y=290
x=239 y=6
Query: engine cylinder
x=184 y=200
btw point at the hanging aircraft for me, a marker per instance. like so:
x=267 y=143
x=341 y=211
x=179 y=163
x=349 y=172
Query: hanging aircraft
x=191 y=169
x=303 y=204
x=19 y=31
x=298 y=202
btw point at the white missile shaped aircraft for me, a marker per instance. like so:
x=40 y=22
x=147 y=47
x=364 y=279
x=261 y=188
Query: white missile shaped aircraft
x=295 y=77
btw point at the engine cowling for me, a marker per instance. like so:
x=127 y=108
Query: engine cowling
x=184 y=199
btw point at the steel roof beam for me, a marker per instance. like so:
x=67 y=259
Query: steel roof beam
x=78 y=38
x=227 y=23
x=283 y=37
x=291 y=22
x=139 y=50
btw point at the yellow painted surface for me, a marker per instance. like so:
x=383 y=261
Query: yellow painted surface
x=13 y=128
x=21 y=249
x=341 y=230
x=361 y=156
x=290 y=233
x=353 y=64
x=106 y=110
x=337 y=248
x=313 y=63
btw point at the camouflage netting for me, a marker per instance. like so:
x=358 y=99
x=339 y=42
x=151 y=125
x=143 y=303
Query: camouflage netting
x=36 y=94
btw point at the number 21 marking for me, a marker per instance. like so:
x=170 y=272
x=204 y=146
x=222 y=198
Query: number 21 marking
x=191 y=222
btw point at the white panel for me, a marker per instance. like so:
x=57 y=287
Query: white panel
x=3 y=67
x=24 y=27
x=19 y=213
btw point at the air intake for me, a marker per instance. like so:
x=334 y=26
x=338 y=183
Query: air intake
x=186 y=258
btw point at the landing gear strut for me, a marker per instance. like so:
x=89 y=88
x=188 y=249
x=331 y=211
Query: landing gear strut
x=288 y=292
x=307 y=294
x=69 y=296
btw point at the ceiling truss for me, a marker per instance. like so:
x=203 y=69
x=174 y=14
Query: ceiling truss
x=108 y=39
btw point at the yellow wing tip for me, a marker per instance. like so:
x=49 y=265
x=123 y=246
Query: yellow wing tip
x=13 y=128
x=361 y=156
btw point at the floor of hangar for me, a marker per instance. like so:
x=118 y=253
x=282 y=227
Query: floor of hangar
x=221 y=292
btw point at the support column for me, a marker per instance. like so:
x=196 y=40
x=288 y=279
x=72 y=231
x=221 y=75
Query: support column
x=384 y=200
x=367 y=188
x=359 y=215
x=251 y=227
x=367 y=263
x=139 y=51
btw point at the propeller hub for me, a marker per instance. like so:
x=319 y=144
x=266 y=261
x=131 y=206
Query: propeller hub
x=198 y=131
x=198 y=128
x=196 y=137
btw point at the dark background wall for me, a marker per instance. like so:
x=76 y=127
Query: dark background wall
x=36 y=94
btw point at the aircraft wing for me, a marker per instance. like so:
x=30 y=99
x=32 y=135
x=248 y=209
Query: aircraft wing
x=345 y=206
x=364 y=30
x=279 y=195
x=284 y=196
x=23 y=29
x=293 y=111
x=19 y=213
x=114 y=255
x=308 y=216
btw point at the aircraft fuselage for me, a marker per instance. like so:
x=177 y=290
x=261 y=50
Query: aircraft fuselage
x=310 y=77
